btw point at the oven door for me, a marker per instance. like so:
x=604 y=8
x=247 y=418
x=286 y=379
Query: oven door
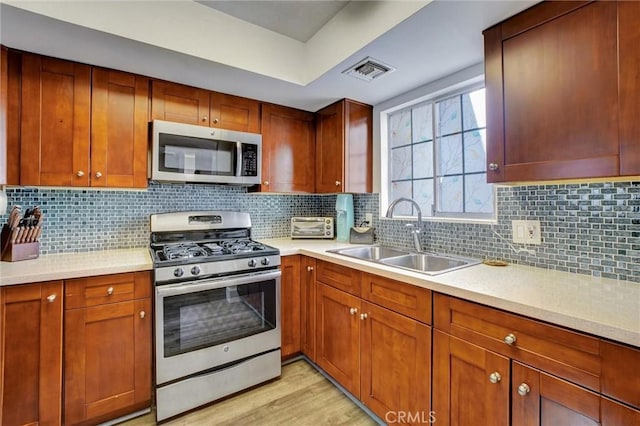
x=202 y=325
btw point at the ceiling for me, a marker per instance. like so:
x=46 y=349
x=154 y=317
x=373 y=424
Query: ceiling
x=244 y=48
x=299 y=20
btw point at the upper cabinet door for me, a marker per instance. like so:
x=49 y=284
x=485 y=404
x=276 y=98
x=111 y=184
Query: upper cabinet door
x=235 y=113
x=4 y=100
x=287 y=150
x=55 y=126
x=119 y=129
x=552 y=93
x=182 y=104
x=330 y=136
x=629 y=51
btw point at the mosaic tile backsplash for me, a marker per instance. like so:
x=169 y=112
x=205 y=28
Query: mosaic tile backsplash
x=589 y=228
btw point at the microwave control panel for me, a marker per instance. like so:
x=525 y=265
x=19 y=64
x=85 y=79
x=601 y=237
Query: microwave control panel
x=249 y=160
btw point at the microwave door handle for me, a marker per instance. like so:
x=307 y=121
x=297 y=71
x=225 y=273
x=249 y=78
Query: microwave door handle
x=191 y=287
x=238 y=159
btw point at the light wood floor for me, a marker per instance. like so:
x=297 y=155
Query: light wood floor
x=301 y=397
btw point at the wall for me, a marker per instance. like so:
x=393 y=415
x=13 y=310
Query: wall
x=590 y=228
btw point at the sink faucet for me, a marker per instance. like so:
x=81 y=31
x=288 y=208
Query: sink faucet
x=416 y=229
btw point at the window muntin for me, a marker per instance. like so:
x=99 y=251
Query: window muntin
x=445 y=175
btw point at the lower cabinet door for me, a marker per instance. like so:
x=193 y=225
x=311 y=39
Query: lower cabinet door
x=31 y=357
x=290 y=305
x=308 y=306
x=470 y=384
x=395 y=366
x=107 y=360
x=540 y=399
x=338 y=336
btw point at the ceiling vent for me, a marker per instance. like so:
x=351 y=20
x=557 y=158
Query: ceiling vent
x=369 y=69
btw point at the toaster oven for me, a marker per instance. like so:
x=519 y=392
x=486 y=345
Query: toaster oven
x=312 y=227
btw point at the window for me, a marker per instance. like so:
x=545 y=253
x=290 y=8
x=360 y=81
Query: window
x=437 y=157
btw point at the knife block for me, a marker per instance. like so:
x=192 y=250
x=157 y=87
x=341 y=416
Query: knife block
x=16 y=252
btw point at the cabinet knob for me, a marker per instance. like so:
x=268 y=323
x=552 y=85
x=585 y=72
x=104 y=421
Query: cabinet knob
x=110 y=291
x=98 y=175
x=142 y=314
x=495 y=377
x=510 y=339
x=266 y=182
x=204 y=118
x=364 y=316
x=309 y=268
x=493 y=167
x=80 y=173
x=215 y=121
x=353 y=311
x=338 y=183
x=51 y=298
x=523 y=389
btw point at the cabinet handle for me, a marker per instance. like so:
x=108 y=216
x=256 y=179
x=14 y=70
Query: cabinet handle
x=204 y=118
x=142 y=314
x=266 y=183
x=110 y=291
x=309 y=268
x=98 y=175
x=523 y=389
x=338 y=183
x=495 y=377
x=215 y=121
x=510 y=339
x=80 y=173
x=364 y=316
x=353 y=311
x=51 y=298
x=493 y=167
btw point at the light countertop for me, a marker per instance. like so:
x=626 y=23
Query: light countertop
x=600 y=306
x=75 y=265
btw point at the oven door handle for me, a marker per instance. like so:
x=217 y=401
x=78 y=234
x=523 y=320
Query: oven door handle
x=193 y=287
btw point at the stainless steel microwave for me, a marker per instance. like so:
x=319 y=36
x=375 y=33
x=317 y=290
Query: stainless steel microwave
x=187 y=153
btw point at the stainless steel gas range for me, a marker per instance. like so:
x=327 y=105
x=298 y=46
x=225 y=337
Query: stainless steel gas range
x=217 y=295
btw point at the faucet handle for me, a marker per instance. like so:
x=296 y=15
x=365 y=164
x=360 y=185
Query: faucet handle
x=410 y=225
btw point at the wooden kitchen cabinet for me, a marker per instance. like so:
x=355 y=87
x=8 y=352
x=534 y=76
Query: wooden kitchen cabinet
x=107 y=361
x=338 y=336
x=4 y=101
x=179 y=103
x=290 y=305
x=55 y=122
x=344 y=147
x=562 y=88
x=380 y=356
x=119 y=129
x=308 y=307
x=235 y=113
x=463 y=388
x=185 y=104
x=288 y=150
x=31 y=349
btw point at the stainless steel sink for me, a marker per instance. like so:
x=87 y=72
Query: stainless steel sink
x=374 y=253
x=426 y=263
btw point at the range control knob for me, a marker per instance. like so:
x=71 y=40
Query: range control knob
x=265 y=261
x=252 y=263
x=178 y=272
x=195 y=270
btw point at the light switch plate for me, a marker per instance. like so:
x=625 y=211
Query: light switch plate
x=526 y=231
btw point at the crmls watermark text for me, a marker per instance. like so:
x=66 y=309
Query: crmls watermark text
x=410 y=417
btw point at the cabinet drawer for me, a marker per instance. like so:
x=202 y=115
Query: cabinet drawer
x=406 y=299
x=340 y=277
x=92 y=291
x=570 y=355
x=620 y=374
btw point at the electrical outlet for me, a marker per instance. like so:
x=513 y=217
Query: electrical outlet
x=368 y=217
x=526 y=231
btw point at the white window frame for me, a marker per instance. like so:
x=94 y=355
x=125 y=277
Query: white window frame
x=435 y=92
